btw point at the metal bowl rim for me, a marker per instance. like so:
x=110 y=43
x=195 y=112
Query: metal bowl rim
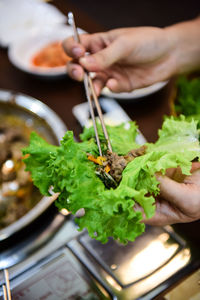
x=38 y=108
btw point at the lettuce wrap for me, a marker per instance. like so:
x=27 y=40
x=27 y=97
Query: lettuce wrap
x=111 y=212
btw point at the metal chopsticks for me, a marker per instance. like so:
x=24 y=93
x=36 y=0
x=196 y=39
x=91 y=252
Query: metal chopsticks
x=6 y=286
x=90 y=94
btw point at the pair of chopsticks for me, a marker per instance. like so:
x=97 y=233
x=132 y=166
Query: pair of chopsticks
x=6 y=286
x=90 y=94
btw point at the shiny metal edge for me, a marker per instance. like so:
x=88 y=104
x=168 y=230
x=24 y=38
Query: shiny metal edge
x=144 y=289
x=58 y=128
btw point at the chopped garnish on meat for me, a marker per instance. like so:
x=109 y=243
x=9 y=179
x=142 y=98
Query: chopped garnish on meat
x=107 y=168
x=99 y=160
x=114 y=164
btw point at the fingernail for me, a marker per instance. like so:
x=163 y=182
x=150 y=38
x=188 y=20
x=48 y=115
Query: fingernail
x=76 y=74
x=80 y=213
x=77 y=51
x=87 y=60
x=97 y=90
x=112 y=83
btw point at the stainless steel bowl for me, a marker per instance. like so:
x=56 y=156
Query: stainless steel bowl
x=44 y=121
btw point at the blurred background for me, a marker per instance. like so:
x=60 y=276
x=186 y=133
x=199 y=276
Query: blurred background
x=56 y=261
x=124 y=13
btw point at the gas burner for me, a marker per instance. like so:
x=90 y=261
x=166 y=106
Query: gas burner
x=45 y=263
x=19 y=246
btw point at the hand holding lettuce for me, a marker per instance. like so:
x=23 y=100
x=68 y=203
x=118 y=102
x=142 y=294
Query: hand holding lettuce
x=111 y=212
x=179 y=198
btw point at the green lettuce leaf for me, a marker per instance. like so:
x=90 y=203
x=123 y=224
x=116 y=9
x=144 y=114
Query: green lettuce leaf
x=188 y=98
x=111 y=212
x=39 y=152
x=121 y=143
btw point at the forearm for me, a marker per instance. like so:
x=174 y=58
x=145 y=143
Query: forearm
x=185 y=41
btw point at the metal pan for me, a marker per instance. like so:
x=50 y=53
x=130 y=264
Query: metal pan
x=44 y=121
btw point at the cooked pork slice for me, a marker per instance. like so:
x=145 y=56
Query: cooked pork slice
x=14 y=134
x=23 y=177
x=135 y=152
x=118 y=163
x=16 y=150
x=4 y=152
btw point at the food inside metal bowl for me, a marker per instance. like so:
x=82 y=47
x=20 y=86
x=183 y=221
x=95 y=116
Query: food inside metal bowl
x=20 y=202
x=17 y=193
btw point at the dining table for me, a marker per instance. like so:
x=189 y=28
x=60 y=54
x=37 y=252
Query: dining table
x=62 y=94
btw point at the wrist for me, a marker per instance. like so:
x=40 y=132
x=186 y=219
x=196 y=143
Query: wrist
x=184 y=41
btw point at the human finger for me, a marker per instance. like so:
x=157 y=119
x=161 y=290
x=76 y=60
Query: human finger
x=180 y=202
x=104 y=58
x=75 y=71
x=80 y=213
x=118 y=85
x=88 y=42
x=195 y=166
x=185 y=196
x=72 y=48
x=177 y=175
x=194 y=178
x=171 y=190
x=165 y=214
x=99 y=82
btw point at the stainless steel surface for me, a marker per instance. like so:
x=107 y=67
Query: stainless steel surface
x=37 y=251
x=22 y=250
x=6 y=286
x=121 y=262
x=64 y=233
x=90 y=93
x=46 y=122
x=139 y=270
x=59 y=276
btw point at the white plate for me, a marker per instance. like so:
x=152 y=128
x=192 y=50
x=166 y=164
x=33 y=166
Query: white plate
x=22 y=51
x=138 y=93
x=21 y=17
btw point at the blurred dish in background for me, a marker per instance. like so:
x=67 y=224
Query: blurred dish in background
x=20 y=202
x=19 y=19
x=51 y=56
x=137 y=93
x=43 y=46
x=17 y=192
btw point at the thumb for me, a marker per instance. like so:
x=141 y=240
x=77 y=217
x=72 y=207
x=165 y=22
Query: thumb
x=102 y=59
x=173 y=191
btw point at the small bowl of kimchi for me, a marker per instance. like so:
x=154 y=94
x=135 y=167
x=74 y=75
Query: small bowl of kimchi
x=41 y=53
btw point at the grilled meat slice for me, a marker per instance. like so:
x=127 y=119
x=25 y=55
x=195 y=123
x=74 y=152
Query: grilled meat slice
x=118 y=163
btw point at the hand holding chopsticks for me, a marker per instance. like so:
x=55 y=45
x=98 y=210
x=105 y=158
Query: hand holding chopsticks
x=91 y=95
